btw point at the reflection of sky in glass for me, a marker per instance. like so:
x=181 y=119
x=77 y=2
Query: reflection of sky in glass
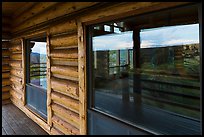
x=39 y=47
x=157 y=37
x=113 y=41
x=169 y=36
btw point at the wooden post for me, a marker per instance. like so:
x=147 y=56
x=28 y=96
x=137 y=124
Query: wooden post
x=23 y=70
x=136 y=65
x=82 y=80
x=49 y=109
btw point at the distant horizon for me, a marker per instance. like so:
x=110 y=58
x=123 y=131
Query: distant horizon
x=153 y=47
x=150 y=38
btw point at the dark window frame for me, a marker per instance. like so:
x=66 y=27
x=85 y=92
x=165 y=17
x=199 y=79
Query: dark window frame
x=39 y=114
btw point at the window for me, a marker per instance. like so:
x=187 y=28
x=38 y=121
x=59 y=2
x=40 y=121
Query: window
x=36 y=76
x=156 y=85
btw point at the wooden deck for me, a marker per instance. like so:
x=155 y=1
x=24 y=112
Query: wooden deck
x=15 y=122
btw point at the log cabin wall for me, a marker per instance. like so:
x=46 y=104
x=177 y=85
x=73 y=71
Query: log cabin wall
x=5 y=73
x=16 y=77
x=66 y=90
x=64 y=78
x=5 y=59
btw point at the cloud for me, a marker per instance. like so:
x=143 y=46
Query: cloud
x=113 y=41
x=147 y=43
x=156 y=37
x=179 y=42
x=39 y=47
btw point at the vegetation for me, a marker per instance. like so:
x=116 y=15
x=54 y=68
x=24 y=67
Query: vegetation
x=169 y=78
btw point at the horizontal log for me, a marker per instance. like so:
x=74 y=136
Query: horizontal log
x=65 y=70
x=66 y=87
x=69 y=102
x=35 y=10
x=6 y=20
x=16 y=72
x=22 y=10
x=66 y=114
x=17 y=87
x=15 y=79
x=5 y=82
x=16 y=64
x=60 y=128
x=65 y=41
x=68 y=62
x=66 y=120
x=6 y=88
x=6 y=35
x=63 y=27
x=6 y=27
x=16 y=101
x=65 y=53
x=5 y=45
x=6 y=59
x=15 y=94
x=15 y=42
x=5 y=95
x=17 y=56
x=55 y=131
x=5 y=53
x=5 y=75
x=5 y=67
x=4 y=102
x=61 y=9
x=16 y=48
x=65 y=127
x=61 y=76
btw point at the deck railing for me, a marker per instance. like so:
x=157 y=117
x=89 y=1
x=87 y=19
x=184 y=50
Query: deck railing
x=173 y=92
x=38 y=69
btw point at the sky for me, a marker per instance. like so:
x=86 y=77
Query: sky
x=39 y=47
x=157 y=37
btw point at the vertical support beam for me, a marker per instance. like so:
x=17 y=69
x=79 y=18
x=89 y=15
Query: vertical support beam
x=118 y=60
x=24 y=70
x=201 y=66
x=95 y=59
x=128 y=57
x=49 y=109
x=136 y=65
x=82 y=79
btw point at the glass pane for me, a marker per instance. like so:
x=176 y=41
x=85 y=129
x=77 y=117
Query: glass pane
x=158 y=90
x=38 y=64
x=170 y=67
x=107 y=28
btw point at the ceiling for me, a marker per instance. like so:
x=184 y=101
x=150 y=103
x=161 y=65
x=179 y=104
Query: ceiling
x=13 y=9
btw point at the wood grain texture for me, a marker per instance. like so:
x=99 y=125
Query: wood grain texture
x=66 y=114
x=65 y=53
x=64 y=126
x=69 y=102
x=82 y=80
x=66 y=87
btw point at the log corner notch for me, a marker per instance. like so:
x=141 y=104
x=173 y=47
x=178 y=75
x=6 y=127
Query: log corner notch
x=82 y=79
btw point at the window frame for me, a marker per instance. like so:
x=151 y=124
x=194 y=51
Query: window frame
x=26 y=73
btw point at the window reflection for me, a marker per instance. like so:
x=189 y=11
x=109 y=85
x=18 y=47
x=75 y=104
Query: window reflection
x=164 y=87
x=38 y=64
